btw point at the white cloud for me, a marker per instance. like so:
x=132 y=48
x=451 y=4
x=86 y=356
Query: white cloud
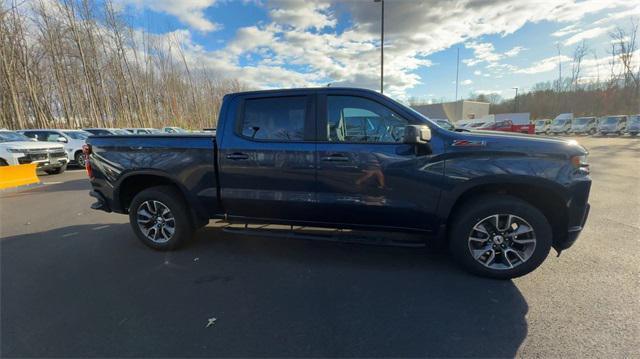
x=514 y=51
x=567 y=30
x=302 y=14
x=488 y=92
x=544 y=65
x=300 y=44
x=466 y=82
x=485 y=52
x=477 y=73
x=585 y=35
x=190 y=12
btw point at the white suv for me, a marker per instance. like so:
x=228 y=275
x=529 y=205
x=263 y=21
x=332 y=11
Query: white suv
x=72 y=140
x=16 y=149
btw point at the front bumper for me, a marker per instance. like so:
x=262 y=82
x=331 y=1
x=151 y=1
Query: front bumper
x=577 y=213
x=574 y=232
x=101 y=203
x=43 y=160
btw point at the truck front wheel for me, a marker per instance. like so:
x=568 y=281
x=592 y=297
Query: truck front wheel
x=500 y=236
x=160 y=218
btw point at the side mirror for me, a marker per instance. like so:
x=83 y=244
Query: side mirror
x=416 y=134
x=62 y=139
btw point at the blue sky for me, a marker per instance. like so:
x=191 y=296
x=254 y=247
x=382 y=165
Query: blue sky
x=288 y=43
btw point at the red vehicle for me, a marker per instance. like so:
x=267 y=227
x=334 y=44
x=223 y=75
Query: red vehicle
x=507 y=126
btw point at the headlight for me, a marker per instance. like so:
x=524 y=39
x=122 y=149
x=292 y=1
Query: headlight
x=580 y=163
x=16 y=150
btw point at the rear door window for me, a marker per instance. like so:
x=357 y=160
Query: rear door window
x=279 y=119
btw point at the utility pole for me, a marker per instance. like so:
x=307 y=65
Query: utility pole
x=381 y=45
x=515 y=100
x=559 y=68
x=457 y=71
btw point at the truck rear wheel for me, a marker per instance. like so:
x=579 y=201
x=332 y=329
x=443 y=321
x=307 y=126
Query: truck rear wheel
x=500 y=236
x=160 y=218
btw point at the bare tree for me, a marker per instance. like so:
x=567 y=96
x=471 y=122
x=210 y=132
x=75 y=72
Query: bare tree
x=624 y=47
x=578 y=54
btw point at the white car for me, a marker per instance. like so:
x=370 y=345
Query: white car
x=174 y=130
x=542 y=126
x=107 y=131
x=72 y=140
x=584 y=126
x=144 y=131
x=561 y=124
x=613 y=124
x=17 y=149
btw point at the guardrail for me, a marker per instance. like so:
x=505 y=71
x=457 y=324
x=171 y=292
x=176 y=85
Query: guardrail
x=18 y=175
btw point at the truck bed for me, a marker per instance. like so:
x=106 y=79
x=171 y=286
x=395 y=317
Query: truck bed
x=185 y=159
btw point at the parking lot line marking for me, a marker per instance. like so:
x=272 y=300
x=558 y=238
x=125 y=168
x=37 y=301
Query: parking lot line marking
x=100 y=227
x=69 y=234
x=48 y=183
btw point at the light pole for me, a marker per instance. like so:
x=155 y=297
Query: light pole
x=381 y=45
x=515 y=100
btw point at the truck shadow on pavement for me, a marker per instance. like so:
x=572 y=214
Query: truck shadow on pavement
x=94 y=290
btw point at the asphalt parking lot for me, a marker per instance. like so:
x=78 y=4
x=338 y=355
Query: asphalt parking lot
x=75 y=282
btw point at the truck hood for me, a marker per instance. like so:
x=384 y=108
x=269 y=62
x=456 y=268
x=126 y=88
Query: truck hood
x=496 y=141
x=31 y=145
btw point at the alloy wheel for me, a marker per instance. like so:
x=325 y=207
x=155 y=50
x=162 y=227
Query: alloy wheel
x=156 y=222
x=502 y=241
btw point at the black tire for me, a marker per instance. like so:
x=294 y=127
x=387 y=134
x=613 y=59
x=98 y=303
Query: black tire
x=3 y=162
x=482 y=207
x=79 y=158
x=170 y=197
x=55 y=171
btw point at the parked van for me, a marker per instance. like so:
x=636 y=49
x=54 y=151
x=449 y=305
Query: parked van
x=542 y=126
x=613 y=124
x=561 y=124
x=633 y=125
x=584 y=126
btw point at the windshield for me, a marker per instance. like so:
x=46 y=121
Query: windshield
x=8 y=136
x=560 y=121
x=119 y=131
x=77 y=135
x=582 y=120
x=634 y=119
x=540 y=123
x=445 y=124
x=611 y=120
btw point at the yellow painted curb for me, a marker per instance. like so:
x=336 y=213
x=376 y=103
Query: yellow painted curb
x=18 y=175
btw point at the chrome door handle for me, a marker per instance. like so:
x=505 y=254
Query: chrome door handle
x=336 y=158
x=237 y=156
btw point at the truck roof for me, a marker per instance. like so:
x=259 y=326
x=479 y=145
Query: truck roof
x=304 y=90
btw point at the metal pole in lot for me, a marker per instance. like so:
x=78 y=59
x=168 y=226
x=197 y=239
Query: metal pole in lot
x=515 y=100
x=381 y=45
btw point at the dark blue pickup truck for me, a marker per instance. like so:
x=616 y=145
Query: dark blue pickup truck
x=350 y=158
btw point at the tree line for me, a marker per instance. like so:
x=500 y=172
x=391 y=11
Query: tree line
x=77 y=63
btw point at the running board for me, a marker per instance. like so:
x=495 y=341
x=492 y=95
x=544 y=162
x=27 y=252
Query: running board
x=330 y=236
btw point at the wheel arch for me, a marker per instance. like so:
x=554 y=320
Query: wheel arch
x=545 y=195
x=133 y=183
